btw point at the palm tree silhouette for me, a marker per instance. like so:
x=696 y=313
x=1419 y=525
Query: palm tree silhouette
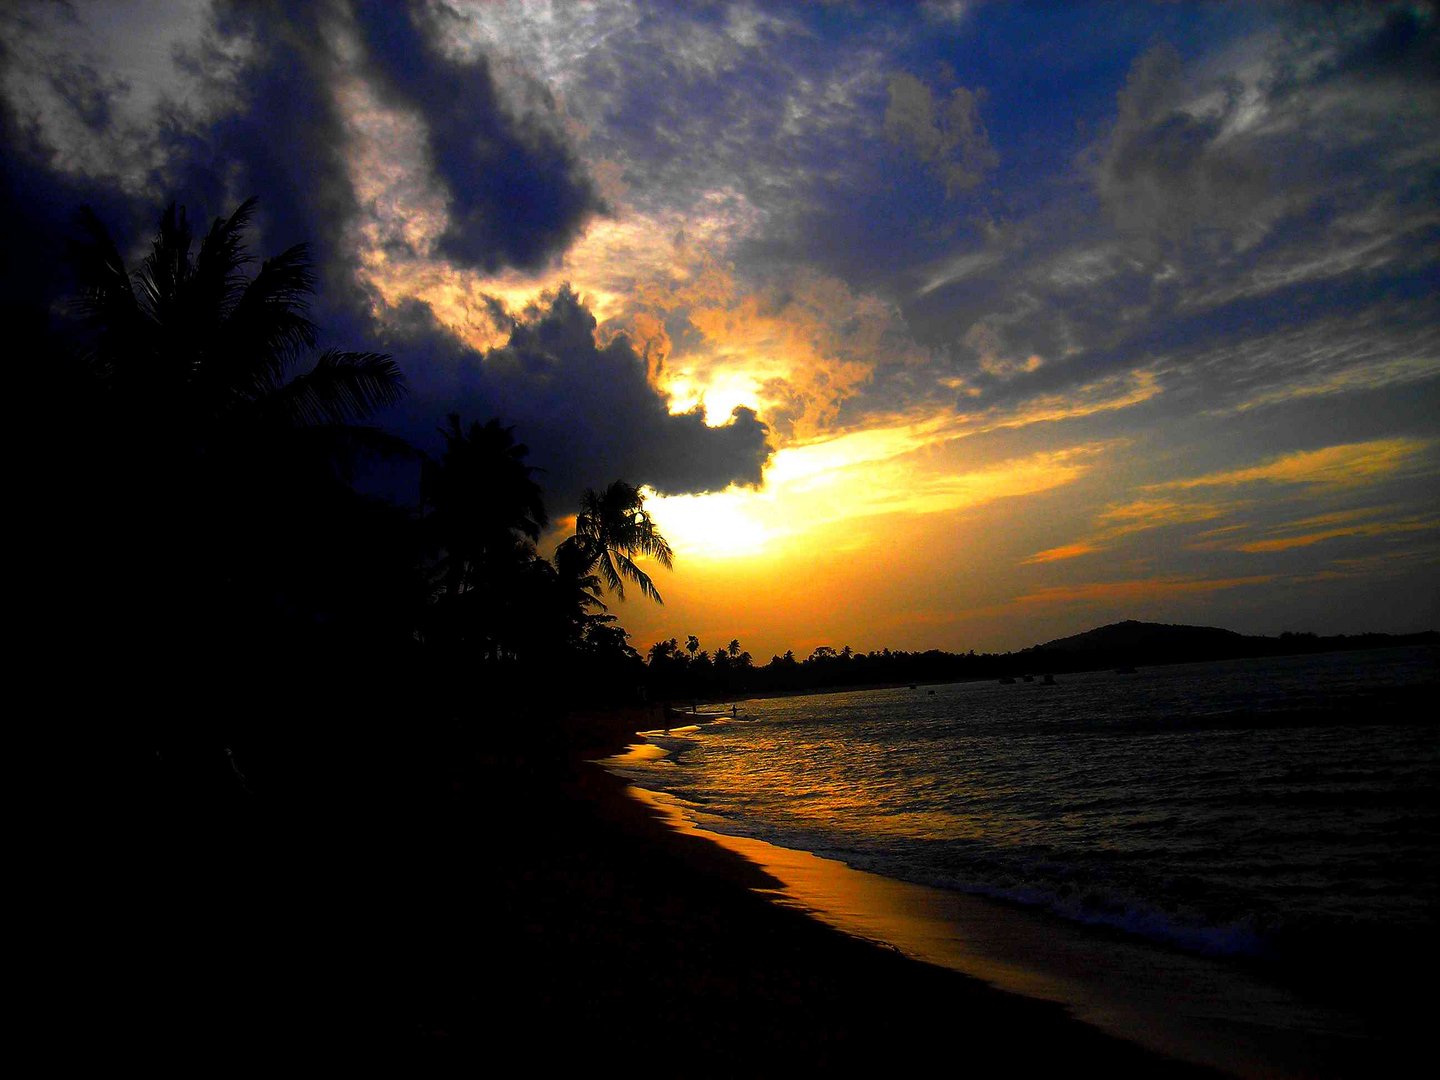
x=612 y=530
x=485 y=509
x=202 y=415
x=210 y=457
x=579 y=590
x=191 y=342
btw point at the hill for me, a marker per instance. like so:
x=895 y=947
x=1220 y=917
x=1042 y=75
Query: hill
x=1131 y=643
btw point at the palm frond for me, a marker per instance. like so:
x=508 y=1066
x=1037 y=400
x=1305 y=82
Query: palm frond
x=611 y=575
x=268 y=326
x=341 y=388
x=105 y=295
x=164 y=272
x=642 y=580
x=218 y=284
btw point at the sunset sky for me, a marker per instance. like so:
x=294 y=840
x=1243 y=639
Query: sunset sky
x=956 y=325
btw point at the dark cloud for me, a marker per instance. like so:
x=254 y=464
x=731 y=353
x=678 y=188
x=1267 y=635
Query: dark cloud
x=586 y=410
x=518 y=192
x=88 y=93
x=1245 y=207
x=39 y=208
x=285 y=144
x=948 y=135
x=1403 y=45
x=1169 y=171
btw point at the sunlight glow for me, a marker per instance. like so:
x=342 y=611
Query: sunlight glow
x=719 y=525
x=812 y=488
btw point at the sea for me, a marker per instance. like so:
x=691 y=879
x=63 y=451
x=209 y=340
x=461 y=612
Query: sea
x=1275 y=819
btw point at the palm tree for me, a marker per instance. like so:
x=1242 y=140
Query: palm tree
x=612 y=530
x=208 y=463
x=579 y=592
x=191 y=341
x=199 y=414
x=485 y=509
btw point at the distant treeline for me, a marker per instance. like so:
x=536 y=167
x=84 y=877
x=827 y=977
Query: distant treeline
x=679 y=673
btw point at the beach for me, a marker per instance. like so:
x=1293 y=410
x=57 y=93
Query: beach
x=619 y=934
x=532 y=912
x=534 y=909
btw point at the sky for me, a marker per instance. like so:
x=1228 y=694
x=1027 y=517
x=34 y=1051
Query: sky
x=937 y=325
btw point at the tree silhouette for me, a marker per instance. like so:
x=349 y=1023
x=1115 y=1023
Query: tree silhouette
x=205 y=431
x=211 y=514
x=485 y=509
x=612 y=530
x=192 y=342
x=579 y=591
x=483 y=512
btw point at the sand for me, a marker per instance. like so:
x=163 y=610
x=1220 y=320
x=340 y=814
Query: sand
x=611 y=933
x=527 y=914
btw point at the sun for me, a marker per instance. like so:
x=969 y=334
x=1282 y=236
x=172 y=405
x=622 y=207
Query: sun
x=720 y=525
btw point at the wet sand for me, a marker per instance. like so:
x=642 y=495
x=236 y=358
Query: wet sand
x=528 y=912
x=1178 y=1004
x=616 y=936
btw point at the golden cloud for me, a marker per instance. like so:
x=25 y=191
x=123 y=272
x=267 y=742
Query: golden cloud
x=1124 y=519
x=1347 y=465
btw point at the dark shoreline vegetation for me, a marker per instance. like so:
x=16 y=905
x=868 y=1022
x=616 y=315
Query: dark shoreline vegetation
x=687 y=674
x=334 y=791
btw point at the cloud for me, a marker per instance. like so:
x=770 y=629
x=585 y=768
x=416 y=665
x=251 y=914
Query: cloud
x=832 y=492
x=586 y=410
x=1375 y=528
x=99 y=87
x=1368 y=521
x=1173 y=164
x=1125 y=519
x=518 y=193
x=806 y=346
x=1057 y=554
x=947 y=136
x=1347 y=465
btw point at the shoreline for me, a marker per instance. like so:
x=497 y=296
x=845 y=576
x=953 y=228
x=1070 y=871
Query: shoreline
x=1183 y=1007
x=763 y=988
x=531 y=906
x=1420 y=640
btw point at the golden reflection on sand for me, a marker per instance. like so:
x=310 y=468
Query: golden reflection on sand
x=1172 y=1002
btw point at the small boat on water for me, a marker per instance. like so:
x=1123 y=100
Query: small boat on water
x=1006 y=680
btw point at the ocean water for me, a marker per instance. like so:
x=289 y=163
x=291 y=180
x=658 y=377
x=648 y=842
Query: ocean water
x=1271 y=811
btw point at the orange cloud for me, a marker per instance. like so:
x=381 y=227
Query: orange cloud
x=1374 y=528
x=1126 y=518
x=1154 y=513
x=1347 y=465
x=1103 y=395
x=802 y=348
x=1066 y=551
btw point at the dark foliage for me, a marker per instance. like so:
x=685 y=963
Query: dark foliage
x=691 y=674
